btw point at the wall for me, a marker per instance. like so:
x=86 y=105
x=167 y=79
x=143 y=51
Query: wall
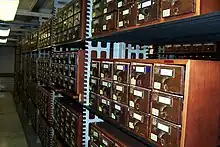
x=7 y=57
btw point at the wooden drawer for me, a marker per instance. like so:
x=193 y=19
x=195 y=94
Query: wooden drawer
x=94 y=85
x=94 y=101
x=164 y=133
x=109 y=6
x=167 y=106
x=169 y=78
x=105 y=89
x=97 y=25
x=109 y=22
x=95 y=135
x=106 y=70
x=106 y=142
x=122 y=3
x=95 y=66
x=119 y=113
x=141 y=75
x=138 y=122
x=177 y=7
x=121 y=72
x=127 y=16
x=148 y=11
x=210 y=47
x=104 y=106
x=120 y=93
x=139 y=99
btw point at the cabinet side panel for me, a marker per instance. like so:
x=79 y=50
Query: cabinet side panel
x=201 y=122
x=208 y=6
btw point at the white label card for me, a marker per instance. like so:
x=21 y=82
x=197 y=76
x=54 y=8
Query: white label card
x=108 y=17
x=164 y=100
x=166 y=13
x=120 y=4
x=92 y=81
x=120 y=24
x=125 y=12
x=163 y=127
x=115 y=77
x=114 y=97
x=140 y=17
x=157 y=85
x=146 y=4
x=104 y=101
x=139 y=69
x=137 y=116
x=96 y=6
x=118 y=107
x=155 y=112
x=133 y=81
x=131 y=104
x=113 y=116
x=131 y=125
x=166 y=72
x=104 y=27
x=95 y=134
x=105 y=10
x=153 y=137
x=138 y=93
x=94 y=65
x=102 y=75
x=105 y=84
x=120 y=67
x=105 y=142
x=105 y=66
x=119 y=88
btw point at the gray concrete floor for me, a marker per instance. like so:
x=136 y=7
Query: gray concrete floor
x=11 y=131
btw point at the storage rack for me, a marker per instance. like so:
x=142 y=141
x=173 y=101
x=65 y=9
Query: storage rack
x=165 y=33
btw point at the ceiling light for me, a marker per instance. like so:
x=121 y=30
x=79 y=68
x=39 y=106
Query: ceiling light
x=8 y=9
x=4 y=33
x=3 y=40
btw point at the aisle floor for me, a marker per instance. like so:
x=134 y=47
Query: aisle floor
x=11 y=131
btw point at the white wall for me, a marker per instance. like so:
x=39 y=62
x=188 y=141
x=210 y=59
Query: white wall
x=7 y=59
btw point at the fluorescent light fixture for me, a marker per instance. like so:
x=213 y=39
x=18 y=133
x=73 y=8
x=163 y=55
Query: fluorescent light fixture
x=3 y=40
x=4 y=33
x=8 y=9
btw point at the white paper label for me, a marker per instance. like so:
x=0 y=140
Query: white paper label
x=93 y=30
x=138 y=93
x=118 y=107
x=104 y=27
x=120 y=67
x=164 y=100
x=166 y=72
x=137 y=116
x=95 y=134
x=105 y=84
x=126 y=12
x=119 y=88
x=113 y=116
x=131 y=125
x=139 y=69
x=94 y=65
x=109 y=1
x=105 y=10
x=115 y=77
x=120 y=24
x=166 y=13
x=72 y=82
x=100 y=108
x=102 y=75
x=151 y=51
x=153 y=137
x=120 y=4
x=105 y=66
x=92 y=81
x=131 y=104
x=96 y=6
x=114 y=97
x=157 y=85
x=146 y=4
x=104 y=101
x=105 y=142
x=163 y=127
x=133 y=81
x=155 y=112
x=108 y=17
x=140 y=17
x=101 y=92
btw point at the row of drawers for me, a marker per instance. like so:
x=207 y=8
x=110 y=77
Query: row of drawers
x=65 y=70
x=167 y=78
x=148 y=126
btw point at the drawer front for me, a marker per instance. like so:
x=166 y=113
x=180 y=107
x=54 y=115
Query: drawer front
x=105 y=141
x=167 y=106
x=139 y=99
x=98 y=9
x=177 y=7
x=77 y=32
x=94 y=100
x=148 y=10
x=97 y=25
x=197 y=48
x=141 y=75
x=109 y=6
x=72 y=85
x=95 y=69
x=104 y=106
x=169 y=78
x=164 y=134
x=120 y=93
x=73 y=71
x=106 y=70
x=119 y=113
x=187 y=48
x=121 y=72
x=94 y=85
x=95 y=135
x=105 y=89
x=127 y=16
x=109 y=22
x=121 y=3
x=210 y=47
x=138 y=123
